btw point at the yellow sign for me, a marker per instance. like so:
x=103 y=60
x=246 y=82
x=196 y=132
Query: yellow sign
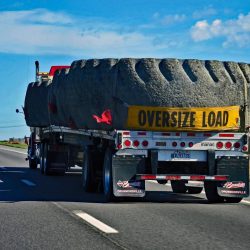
x=183 y=119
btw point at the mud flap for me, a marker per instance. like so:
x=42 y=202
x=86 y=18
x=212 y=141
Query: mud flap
x=237 y=169
x=124 y=170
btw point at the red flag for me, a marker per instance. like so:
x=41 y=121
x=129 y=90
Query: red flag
x=106 y=117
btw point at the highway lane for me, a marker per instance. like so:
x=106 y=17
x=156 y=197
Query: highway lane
x=41 y=212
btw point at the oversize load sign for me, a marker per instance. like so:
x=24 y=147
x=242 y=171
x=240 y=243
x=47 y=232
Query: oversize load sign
x=183 y=119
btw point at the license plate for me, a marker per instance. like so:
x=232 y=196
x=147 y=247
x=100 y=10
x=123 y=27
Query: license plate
x=181 y=155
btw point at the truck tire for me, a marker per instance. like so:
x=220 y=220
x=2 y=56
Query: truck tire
x=179 y=187
x=33 y=163
x=194 y=190
x=107 y=176
x=212 y=193
x=42 y=159
x=162 y=182
x=233 y=199
x=46 y=160
x=87 y=174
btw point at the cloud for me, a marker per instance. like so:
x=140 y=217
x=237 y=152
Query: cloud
x=169 y=19
x=41 y=31
x=209 y=11
x=234 y=31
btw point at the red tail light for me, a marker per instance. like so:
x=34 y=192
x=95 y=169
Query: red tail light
x=190 y=144
x=127 y=143
x=145 y=143
x=228 y=145
x=236 y=145
x=119 y=146
x=219 y=145
x=183 y=144
x=244 y=148
x=174 y=144
x=136 y=143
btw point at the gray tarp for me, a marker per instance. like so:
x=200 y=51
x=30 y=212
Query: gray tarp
x=92 y=86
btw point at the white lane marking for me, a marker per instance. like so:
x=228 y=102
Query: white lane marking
x=29 y=183
x=96 y=223
x=15 y=151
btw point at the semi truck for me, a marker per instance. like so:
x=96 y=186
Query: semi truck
x=176 y=144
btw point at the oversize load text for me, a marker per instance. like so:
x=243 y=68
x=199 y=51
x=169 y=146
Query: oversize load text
x=183 y=118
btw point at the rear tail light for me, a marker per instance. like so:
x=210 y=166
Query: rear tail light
x=127 y=143
x=119 y=146
x=244 y=148
x=174 y=144
x=219 y=145
x=183 y=144
x=228 y=145
x=237 y=145
x=145 y=143
x=190 y=144
x=136 y=143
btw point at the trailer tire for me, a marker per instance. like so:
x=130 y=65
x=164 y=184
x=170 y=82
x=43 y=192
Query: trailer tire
x=233 y=199
x=194 y=190
x=87 y=176
x=212 y=193
x=46 y=160
x=33 y=163
x=42 y=159
x=107 y=176
x=179 y=187
x=162 y=182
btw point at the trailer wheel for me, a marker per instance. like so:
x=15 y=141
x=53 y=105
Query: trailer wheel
x=212 y=193
x=179 y=187
x=107 y=176
x=194 y=190
x=46 y=160
x=162 y=182
x=42 y=159
x=87 y=176
x=33 y=163
x=233 y=199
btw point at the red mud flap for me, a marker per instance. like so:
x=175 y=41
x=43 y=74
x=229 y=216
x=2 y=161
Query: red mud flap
x=124 y=170
x=237 y=170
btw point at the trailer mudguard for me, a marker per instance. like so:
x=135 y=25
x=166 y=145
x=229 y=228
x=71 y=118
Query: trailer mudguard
x=124 y=169
x=237 y=168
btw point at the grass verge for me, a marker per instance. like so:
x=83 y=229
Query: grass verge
x=14 y=145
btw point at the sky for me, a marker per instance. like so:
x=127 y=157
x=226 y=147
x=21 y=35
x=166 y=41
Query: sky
x=59 y=32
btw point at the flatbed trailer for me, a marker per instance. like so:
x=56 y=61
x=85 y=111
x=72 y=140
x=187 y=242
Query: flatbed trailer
x=117 y=163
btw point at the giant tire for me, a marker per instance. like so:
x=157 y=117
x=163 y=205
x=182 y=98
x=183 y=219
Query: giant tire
x=179 y=187
x=212 y=193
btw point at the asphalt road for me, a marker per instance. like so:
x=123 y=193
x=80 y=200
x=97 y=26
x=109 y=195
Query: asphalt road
x=52 y=212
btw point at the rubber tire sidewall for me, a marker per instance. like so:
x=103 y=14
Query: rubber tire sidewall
x=107 y=176
x=179 y=187
x=87 y=182
x=212 y=193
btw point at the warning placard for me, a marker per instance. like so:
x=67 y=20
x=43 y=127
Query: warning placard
x=183 y=119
